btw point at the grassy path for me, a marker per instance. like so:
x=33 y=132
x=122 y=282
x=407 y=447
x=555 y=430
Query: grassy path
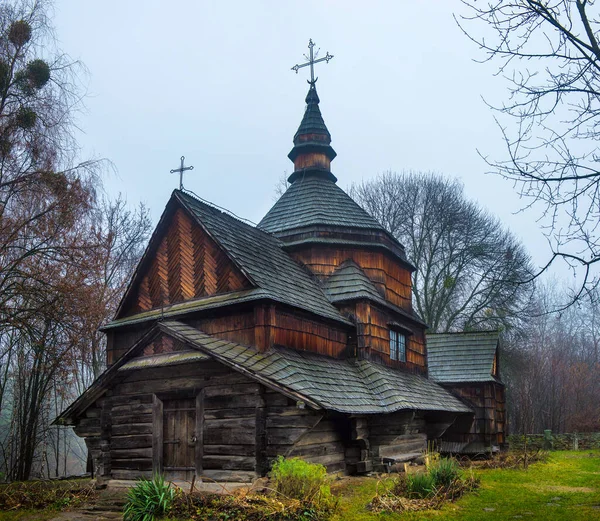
x=567 y=488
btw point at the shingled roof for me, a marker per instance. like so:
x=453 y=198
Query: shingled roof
x=260 y=257
x=350 y=282
x=313 y=200
x=347 y=386
x=462 y=357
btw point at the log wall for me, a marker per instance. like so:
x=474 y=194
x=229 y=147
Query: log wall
x=399 y=436
x=390 y=277
x=244 y=425
x=296 y=432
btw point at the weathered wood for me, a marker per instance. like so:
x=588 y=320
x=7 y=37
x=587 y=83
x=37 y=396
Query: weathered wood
x=199 y=433
x=229 y=390
x=128 y=410
x=128 y=442
x=260 y=457
x=321 y=449
x=221 y=414
x=132 y=428
x=217 y=435
x=296 y=421
x=312 y=438
x=229 y=450
x=287 y=436
x=133 y=418
x=232 y=402
x=157 y=434
x=229 y=462
x=134 y=452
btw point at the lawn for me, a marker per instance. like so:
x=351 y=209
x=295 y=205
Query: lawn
x=567 y=487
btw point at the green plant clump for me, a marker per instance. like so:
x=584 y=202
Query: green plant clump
x=420 y=485
x=297 y=479
x=444 y=472
x=148 y=500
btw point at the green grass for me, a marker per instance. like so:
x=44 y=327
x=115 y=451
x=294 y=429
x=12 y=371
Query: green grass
x=567 y=487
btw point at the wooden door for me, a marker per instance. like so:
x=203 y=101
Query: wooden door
x=177 y=437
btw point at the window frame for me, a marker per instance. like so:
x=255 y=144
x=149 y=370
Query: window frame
x=397 y=354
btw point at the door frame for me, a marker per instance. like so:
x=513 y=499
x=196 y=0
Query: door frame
x=158 y=426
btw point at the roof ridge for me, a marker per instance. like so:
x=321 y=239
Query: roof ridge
x=227 y=213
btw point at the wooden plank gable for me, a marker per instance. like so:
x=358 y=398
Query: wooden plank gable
x=182 y=263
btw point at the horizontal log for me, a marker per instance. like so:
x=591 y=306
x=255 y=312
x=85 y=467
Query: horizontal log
x=127 y=410
x=219 y=414
x=229 y=450
x=222 y=436
x=132 y=428
x=320 y=449
x=327 y=459
x=160 y=386
x=231 y=423
x=132 y=418
x=232 y=402
x=134 y=452
x=232 y=389
x=132 y=441
x=288 y=411
x=293 y=421
x=287 y=436
x=312 y=438
x=276 y=399
x=190 y=370
x=132 y=464
x=228 y=462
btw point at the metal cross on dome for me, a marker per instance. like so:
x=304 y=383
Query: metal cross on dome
x=312 y=59
x=181 y=170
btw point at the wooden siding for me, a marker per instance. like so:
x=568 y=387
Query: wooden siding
x=373 y=337
x=118 y=342
x=186 y=264
x=489 y=403
x=235 y=326
x=298 y=332
x=388 y=275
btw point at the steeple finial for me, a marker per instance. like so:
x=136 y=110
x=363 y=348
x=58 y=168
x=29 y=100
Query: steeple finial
x=312 y=153
x=312 y=59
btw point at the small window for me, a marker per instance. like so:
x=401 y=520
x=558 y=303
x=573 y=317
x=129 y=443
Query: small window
x=397 y=346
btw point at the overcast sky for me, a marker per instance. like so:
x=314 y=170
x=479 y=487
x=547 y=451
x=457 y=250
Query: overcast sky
x=212 y=81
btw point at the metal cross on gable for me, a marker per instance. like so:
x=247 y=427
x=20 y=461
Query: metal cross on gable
x=181 y=170
x=312 y=59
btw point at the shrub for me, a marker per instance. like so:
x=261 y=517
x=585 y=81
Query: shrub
x=444 y=472
x=297 y=479
x=148 y=499
x=420 y=485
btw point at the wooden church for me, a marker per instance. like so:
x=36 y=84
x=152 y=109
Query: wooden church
x=235 y=344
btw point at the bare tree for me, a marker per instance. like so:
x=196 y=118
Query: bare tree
x=548 y=52
x=550 y=369
x=469 y=267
